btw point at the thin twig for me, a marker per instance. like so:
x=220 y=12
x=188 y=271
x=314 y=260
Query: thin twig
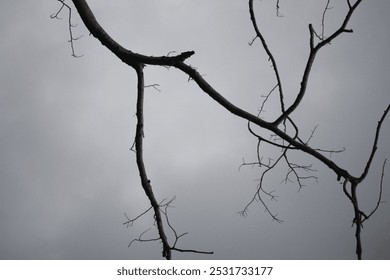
x=70 y=26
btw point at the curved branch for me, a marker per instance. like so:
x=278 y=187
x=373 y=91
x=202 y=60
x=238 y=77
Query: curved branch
x=267 y=50
x=374 y=146
x=141 y=166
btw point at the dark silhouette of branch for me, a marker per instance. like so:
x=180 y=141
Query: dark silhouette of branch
x=130 y=222
x=207 y=88
x=141 y=166
x=70 y=25
x=141 y=239
x=313 y=52
x=127 y=56
x=374 y=146
x=134 y=59
x=278 y=13
x=267 y=50
x=261 y=110
x=357 y=220
x=178 y=236
x=359 y=215
x=293 y=167
x=155 y=86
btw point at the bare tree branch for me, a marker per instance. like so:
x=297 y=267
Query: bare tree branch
x=267 y=50
x=130 y=222
x=178 y=236
x=141 y=239
x=70 y=25
x=322 y=37
x=380 y=193
x=155 y=86
x=278 y=9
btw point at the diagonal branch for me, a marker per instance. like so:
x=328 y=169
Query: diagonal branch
x=127 y=56
x=134 y=60
x=374 y=146
x=137 y=61
x=267 y=50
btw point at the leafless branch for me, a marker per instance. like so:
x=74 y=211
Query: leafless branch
x=141 y=239
x=290 y=141
x=278 y=9
x=130 y=222
x=155 y=86
x=72 y=38
x=178 y=236
x=273 y=143
x=374 y=146
x=260 y=189
x=267 y=50
x=261 y=110
x=314 y=49
x=380 y=193
x=322 y=37
x=146 y=185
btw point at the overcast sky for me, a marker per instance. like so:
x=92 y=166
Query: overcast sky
x=67 y=175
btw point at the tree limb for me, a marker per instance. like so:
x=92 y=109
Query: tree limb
x=313 y=52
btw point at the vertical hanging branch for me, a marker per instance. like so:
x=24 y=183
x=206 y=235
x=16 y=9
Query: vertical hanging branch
x=139 y=135
x=158 y=212
x=268 y=51
x=317 y=42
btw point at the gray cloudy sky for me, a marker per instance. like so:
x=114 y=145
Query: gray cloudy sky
x=67 y=175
